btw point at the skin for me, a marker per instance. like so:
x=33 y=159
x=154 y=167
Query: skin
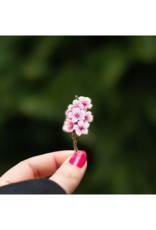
x=55 y=164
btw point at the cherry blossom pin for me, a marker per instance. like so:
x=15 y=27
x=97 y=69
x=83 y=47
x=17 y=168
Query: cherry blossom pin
x=78 y=118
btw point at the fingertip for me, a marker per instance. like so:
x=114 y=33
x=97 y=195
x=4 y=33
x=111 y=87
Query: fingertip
x=71 y=172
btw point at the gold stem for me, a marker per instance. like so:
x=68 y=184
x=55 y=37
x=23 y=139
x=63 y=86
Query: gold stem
x=74 y=134
x=74 y=141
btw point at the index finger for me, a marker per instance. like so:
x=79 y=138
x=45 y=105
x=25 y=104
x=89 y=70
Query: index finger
x=35 y=167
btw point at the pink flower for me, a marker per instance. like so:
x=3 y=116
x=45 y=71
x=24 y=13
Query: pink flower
x=88 y=117
x=68 y=126
x=81 y=128
x=76 y=114
x=77 y=104
x=66 y=112
x=86 y=102
x=70 y=107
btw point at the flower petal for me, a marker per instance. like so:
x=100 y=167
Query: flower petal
x=70 y=115
x=81 y=98
x=89 y=106
x=89 y=113
x=76 y=110
x=74 y=119
x=67 y=129
x=75 y=127
x=80 y=105
x=85 y=131
x=86 y=125
x=78 y=132
x=75 y=102
x=91 y=118
x=66 y=122
x=70 y=107
x=80 y=123
x=82 y=112
x=88 y=100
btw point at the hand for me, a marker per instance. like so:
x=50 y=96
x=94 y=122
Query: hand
x=67 y=169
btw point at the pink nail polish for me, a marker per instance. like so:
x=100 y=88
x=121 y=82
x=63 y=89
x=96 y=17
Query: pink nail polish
x=78 y=159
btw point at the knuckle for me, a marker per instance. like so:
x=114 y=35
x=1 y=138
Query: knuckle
x=67 y=176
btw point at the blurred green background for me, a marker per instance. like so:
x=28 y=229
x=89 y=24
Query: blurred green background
x=40 y=76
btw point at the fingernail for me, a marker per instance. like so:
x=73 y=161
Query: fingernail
x=78 y=159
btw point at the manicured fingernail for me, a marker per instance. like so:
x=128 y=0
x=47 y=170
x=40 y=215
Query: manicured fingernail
x=78 y=159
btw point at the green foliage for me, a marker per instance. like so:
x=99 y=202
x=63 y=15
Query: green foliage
x=39 y=77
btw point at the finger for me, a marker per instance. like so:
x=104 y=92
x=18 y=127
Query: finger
x=35 y=167
x=71 y=172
